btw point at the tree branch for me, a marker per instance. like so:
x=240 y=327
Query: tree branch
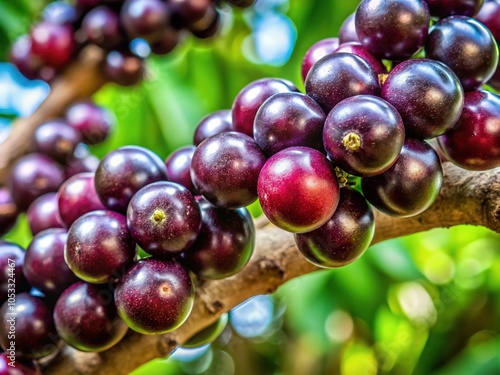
x=466 y=198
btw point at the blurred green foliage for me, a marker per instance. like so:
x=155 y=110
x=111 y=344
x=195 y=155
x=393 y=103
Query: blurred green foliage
x=424 y=304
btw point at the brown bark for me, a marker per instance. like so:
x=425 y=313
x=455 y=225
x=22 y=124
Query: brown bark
x=466 y=198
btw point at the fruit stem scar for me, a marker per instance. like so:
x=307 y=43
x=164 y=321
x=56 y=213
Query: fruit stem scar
x=352 y=141
x=158 y=216
x=382 y=78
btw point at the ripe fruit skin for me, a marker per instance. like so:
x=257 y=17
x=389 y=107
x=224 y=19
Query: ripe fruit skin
x=214 y=123
x=298 y=189
x=8 y=211
x=154 y=296
x=36 y=336
x=178 y=166
x=358 y=49
x=43 y=213
x=392 y=29
x=144 y=18
x=52 y=43
x=411 y=185
x=99 y=247
x=427 y=95
x=338 y=76
x=363 y=135
x=32 y=176
x=11 y=254
x=250 y=98
x=23 y=57
x=57 y=139
x=235 y=156
x=85 y=317
x=122 y=172
x=164 y=218
x=474 y=143
x=489 y=16
x=224 y=245
x=343 y=238
x=77 y=196
x=466 y=46
x=315 y=52
x=185 y=12
x=123 y=68
x=289 y=119
x=347 y=32
x=101 y=26
x=445 y=8
x=44 y=265
x=19 y=369
x=92 y=121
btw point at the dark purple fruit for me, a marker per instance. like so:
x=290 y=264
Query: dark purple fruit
x=347 y=32
x=99 y=247
x=11 y=267
x=411 y=185
x=77 y=196
x=241 y=3
x=155 y=296
x=178 y=167
x=208 y=26
x=144 y=18
x=250 y=98
x=81 y=164
x=427 y=94
x=122 y=172
x=489 y=16
x=57 y=139
x=363 y=135
x=392 y=29
x=101 y=26
x=289 y=119
x=24 y=59
x=343 y=238
x=85 y=317
x=32 y=176
x=298 y=189
x=123 y=68
x=338 y=76
x=315 y=52
x=358 y=49
x=52 y=43
x=466 y=46
x=225 y=243
x=167 y=42
x=8 y=211
x=60 y=12
x=214 y=123
x=474 y=143
x=225 y=169
x=44 y=265
x=19 y=368
x=92 y=121
x=186 y=12
x=445 y=8
x=164 y=218
x=43 y=213
x=30 y=319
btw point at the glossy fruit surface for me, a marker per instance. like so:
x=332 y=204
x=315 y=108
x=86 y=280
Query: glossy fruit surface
x=101 y=26
x=144 y=18
x=23 y=57
x=81 y=162
x=8 y=211
x=289 y=119
x=338 y=76
x=43 y=213
x=122 y=172
x=466 y=46
x=489 y=16
x=52 y=43
x=60 y=12
x=250 y=98
x=315 y=52
x=178 y=166
x=214 y=123
x=123 y=68
x=411 y=185
x=18 y=369
x=208 y=26
x=224 y=245
x=474 y=143
x=185 y=12
x=92 y=121
x=164 y=218
x=57 y=139
x=343 y=238
x=298 y=189
x=99 y=247
x=358 y=49
x=427 y=95
x=392 y=29
x=166 y=42
x=347 y=32
x=85 y=317
x=11 y=266
x=36 y=336
x=44 y=265
x=235 y=156
x=76 y=197
x=32 y=176
x=363 y=135
x=445 y=8
x=154 y=296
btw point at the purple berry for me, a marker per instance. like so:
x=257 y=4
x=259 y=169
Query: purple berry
x=8 y=211
x=43 y=213
x=52 y=43
x=11 y=267
x=24 y=59
x=445 y=8
x=214 y=123
x=57 y=139
x=315 y=52
x=144 y=18
x=101 y=26
x=357 y=49
x=92 y=121
x=123 y=68
x=347 y=32
x=178 y=167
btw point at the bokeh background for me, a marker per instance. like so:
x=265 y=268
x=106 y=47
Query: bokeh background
x=424 y=304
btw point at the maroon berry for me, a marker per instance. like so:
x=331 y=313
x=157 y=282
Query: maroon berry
x=44 y=265
x=24 y=59
x=155 y=296
x=343 y=238
x=92 y=121
x=81 y=163
x=122 y=172
x=19 y=368
x=164 y=218
x=99 y=247
x=298 y=189
x=185 y=12
x=167 y=42
x=446 y=8
x=235 y=156
x=214 y=123
x=224 y=245
x=347 y=32
x=123 y=68
x=43 y=213
x=57 y=139
x=76 y=197
x=357 y=49
x=85 y=317
x=144 y=18
x=8 y=211
x=489 y=16
x=52 y=43
x=11 y=267
x=208 y=26
x=178 y=164
x=60 y=12
x=102 y=27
